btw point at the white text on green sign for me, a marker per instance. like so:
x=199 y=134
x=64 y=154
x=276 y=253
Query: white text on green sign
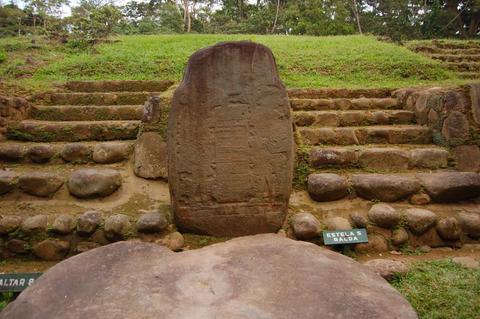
x=341 y=237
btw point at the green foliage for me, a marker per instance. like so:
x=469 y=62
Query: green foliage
x=5 y=298
x=3 y=56
x=442 y=290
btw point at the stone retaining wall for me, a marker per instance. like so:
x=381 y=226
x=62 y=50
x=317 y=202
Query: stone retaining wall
x=12 y=109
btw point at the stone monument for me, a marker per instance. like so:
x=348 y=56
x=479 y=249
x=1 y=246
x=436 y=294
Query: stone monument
x=230 y=143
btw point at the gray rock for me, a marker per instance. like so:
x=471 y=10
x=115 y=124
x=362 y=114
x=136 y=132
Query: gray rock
x=419 y=220
x=51 y=249
x=63 y=224
x=321 y=157
x=467 y=262
x=387 y=268
x=12 y=153
x=399 y=237
x=173 y=241
x=40 y=184
x=110 y=152
x=359 y=220
x=76 y=153
x=451 y=186
x=8 y=181
x=213 y=282
x=9 y=223
x=88 y=222
x=384 y=215
x=94 y=182
x=305 y=226
x=150 y=156
x=470 y=224
x=41 y=153
x=152 y=222
x=18 y=246
x=386 y=188
x=337 y=223
x=117 y=226
x=327 y=187
x=449 y=229
x=34 y=223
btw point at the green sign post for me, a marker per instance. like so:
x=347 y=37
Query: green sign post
x=342 y=237
x=17 y=282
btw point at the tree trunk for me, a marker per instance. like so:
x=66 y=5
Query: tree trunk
x=276 y=17
x=474 y=24
x=357 y=16
x=452 y=7
x=186 y=16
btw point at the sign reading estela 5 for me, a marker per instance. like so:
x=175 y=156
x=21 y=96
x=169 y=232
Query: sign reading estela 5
x=341 y=237
x=17 y=282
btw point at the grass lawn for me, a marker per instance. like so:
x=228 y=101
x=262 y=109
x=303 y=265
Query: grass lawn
x=442 y=289
x=340 y=61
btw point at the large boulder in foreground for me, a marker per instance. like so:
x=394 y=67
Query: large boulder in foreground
x=230 y=143
x=263 y=276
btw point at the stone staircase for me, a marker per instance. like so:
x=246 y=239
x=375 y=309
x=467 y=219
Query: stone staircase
x=461 y=57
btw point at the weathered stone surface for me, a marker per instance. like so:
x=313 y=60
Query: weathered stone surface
x=51 y=249
x=429 y=158
x=467 y=262
x=230 y=143
x=99 y=237
x=17 y=246
x=305 y=226
x=150 y=156
x=9 y=223
x=337 y=223
x=449 y=229
x=376 y=244
x=470 y=224
x=34 y=223
x=76 y=153
x=327 y=187
x=8 y=181
x=173 y=241
x=387 y=188
x=41 y=153
x=388 y=159
x=420 y=199
x=94 y=182
x=419 y=220
x=467 y=158
x=84 y=246
x=321 y=157
x=110 y=152
x=456 y=128
x=387 y=268
x=213 y=282
x=40 y=184
x=152 y=222
x=475 y=99
x=11 y=153
x=88 y=222
x=451 y=186
x=63 y=224
x=358 y=220
x=399 y=237
x=384 y=215
x=117 y=226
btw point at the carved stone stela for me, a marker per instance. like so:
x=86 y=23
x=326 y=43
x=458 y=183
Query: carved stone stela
x=230 y=143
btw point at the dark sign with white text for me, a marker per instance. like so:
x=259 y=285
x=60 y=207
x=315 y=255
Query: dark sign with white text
x=340 y=237
x=17 y=282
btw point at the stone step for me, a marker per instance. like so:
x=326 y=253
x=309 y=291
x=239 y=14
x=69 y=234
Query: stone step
x=435 y=50
x=420 y=188
x=380 y=157
x=353 y=118
x=94 y=98
x=338 y=93
x=72 y=131
x=118 y=86
x=469 y=75
x=464 y=66
x=61 y=152
x=398 y=134
x=333 y=104
x=456 y=57
x=86 y=112
x=458 y=45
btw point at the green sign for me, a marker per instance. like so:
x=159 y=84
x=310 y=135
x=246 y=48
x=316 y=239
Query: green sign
x=17 y=281
x=341 y=237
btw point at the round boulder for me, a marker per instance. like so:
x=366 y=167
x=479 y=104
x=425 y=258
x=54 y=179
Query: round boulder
x=76 y=153
x=305 y=226
x=384 y=215
x=419 y=220
x=152 y=222
x=327 y=187
x=8 y=181
x=117 y=226
x=337 y=223
x=88 y=222
x=449 y=229
x=63 y=224
x=40 y=184
x=9 y=224
x=94 y=182
x=241 y=278
x=174 y=241
x=399 y=237
x=51 y=249
x=470 y=224
x=110 y=152
x=34 y=223
x=41 y=153
x=358 y=220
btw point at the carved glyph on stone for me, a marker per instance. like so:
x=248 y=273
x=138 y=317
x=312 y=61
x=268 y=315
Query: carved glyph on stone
x=230 y=143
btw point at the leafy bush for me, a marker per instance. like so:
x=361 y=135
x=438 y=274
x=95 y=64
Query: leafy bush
x=3 y=56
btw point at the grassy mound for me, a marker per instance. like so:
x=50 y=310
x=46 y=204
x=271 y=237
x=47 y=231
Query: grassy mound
x=341 y=61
